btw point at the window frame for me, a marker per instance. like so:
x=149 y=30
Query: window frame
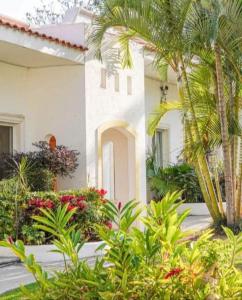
x=10 y=145
x=17 y=122
x=164 y=160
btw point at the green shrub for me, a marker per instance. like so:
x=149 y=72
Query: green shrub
x=176 y=177
x=8 y=186
x=159 y=262
x=40 y=180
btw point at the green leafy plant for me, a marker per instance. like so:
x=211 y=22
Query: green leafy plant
x=172 y=178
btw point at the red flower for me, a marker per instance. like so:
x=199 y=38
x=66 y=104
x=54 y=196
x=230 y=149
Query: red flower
x=40 y=203
x=102 y=192
x=173 y=272
x=81 y=198
x=66 y=198
x=70 y=207
x=82 y=205
x=108 y=224
x=49 y=204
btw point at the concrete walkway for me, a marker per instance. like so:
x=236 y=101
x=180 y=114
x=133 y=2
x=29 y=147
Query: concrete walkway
x=11 y=276
x=197 y=223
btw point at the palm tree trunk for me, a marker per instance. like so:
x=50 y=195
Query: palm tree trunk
x=218 y=188
x=202 y=161
x=234 y=138
x=198 y=165
x=239 y=198
x=228 y=174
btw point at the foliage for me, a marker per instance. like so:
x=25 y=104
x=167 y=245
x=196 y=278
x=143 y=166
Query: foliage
x=48 y=13
x=60 y=161
x=17 y=221
x=172 y=178
x=159 y=262
x=41 y=179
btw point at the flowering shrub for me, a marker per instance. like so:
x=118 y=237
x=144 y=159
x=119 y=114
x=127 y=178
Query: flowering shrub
x=87 y=204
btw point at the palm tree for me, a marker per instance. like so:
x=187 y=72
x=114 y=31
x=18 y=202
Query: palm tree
x=216 y=26
x=169 y=31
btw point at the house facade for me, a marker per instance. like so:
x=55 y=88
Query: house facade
x=51 y=85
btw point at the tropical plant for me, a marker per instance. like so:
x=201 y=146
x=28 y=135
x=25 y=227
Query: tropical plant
x=192 y=38
x=158 y=262
x=172 y=178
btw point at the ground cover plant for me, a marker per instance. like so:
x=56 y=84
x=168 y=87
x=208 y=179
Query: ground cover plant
x=159 y=262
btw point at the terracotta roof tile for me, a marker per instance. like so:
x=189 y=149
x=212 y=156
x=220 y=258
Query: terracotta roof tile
x=23 y=27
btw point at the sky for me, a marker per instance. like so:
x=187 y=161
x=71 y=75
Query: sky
x=18 y=8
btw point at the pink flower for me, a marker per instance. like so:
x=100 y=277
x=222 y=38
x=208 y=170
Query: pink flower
x=173 y=272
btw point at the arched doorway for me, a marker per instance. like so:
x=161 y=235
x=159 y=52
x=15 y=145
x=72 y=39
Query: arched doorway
x=117 y=161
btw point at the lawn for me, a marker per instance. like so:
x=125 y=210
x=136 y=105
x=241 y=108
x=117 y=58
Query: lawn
x=16 y=293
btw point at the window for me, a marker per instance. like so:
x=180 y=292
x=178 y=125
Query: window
x=6 y=144
x=103 y=78
x=129 y=85
x=160 y=145
x=6 y=139
x=116 y=82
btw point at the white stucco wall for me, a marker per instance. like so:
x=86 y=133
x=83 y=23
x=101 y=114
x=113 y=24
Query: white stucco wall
x=106 y=105
x=171 y=121
x=51 y=101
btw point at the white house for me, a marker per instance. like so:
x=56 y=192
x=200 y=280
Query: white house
x=52 y=86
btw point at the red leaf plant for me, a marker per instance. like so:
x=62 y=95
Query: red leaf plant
x=41 y=203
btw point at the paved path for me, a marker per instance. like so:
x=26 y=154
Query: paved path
x=197 y=223
x=11 y=276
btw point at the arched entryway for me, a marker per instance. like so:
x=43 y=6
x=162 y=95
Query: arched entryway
x=117 y=161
